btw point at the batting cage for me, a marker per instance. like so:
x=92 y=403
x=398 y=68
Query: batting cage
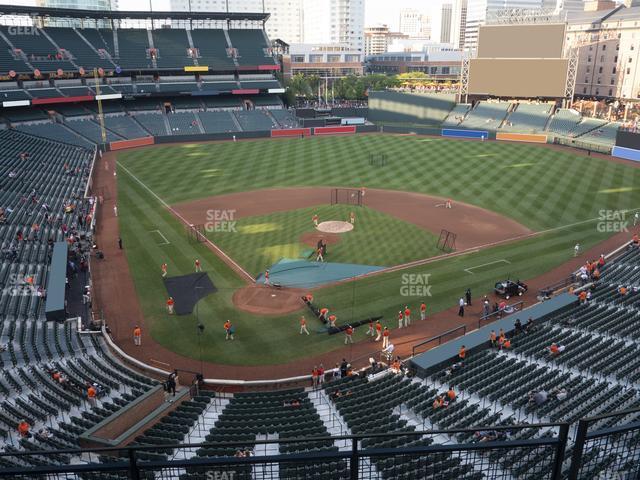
x=196 y=233
x=447 y=241
x=378 y=159
x=346 y=196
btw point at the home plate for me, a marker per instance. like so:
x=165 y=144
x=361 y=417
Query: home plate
x=273 y=294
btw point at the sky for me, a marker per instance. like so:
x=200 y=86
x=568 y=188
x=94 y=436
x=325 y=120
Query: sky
x=376 y=11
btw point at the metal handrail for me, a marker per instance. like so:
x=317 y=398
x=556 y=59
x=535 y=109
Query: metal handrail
x=438 y=338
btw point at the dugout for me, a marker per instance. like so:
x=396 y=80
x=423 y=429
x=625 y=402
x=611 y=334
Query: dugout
x=54 y=307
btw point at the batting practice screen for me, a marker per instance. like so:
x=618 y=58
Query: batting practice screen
x=346 y=196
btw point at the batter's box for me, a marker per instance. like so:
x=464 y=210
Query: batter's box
x=163 y=239
x=484 y=265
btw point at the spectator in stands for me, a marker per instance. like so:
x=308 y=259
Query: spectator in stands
x=462 y=353
x=344 y=367
x=336 y=372
x=23 y=429
x=449 y=372
x=493 y=338
x=560 y=393
x=517 y=327
x=43 y=434
x=529 y=326
x=451 y=394
x=314 y=376
x=556 y=349
x=321 y=375
x=506 y=344
x=582 y=296
x=171 y=385
x=438 y=402
x=91 y=395
x=622 y=290
x=538 y=398
x=635 y=240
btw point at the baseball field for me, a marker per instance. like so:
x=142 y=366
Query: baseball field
x=518 y=210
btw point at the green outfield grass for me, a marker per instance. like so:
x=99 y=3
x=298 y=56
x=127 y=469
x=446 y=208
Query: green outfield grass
x=539 y=187
x=378 y=239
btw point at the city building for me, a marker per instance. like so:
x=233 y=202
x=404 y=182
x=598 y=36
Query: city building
x=440 y=64
x=324 y=60
x=378 y=38
x=335 y=22
x=459 y=23
x=285 y=20
x=446 y=22
x=80 y=4
x=608 y=43
x=414 y=23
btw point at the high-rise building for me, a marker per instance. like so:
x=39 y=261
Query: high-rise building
x=285 y=20
x=378 y=38
x=81 y=4
x=479 y=10
x=564 y=6
x=459 y=23
x=415 y=23
x=334 y=21
x=446 y=23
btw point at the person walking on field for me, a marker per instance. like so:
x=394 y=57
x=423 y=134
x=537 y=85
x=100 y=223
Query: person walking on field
x=407 y=316
x=348 y=335
x=400 y=319
x=315 y=219
x=137 y=336
x=314 y=377
x=576 y=250
x=352 y=218
x=378 y=330
x=319 y=257
x=115 y=210
x=371 y=331
x=170 y=304
x=198 y=267
x=163 y=268
x=447 y=204
x=321 y=375
x=332 y=320
x=423 y=311
x=461 y=307
x=385 y=338
x=303 y=326
x=266 y=277
x=228 y=328
x=467 y=295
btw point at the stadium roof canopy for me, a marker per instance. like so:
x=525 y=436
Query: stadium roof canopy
x=119 y=14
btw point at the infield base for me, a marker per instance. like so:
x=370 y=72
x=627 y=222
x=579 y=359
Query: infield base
x=335 y=226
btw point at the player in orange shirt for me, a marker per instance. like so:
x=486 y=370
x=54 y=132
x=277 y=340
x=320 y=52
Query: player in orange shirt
x=378 y=330
x=400 y=318
x=137 y=336
x=332 y=320
x=583 y=296
x=315 y=219
x=407 y=316
x=385 y=338
x=170 y=304
x=423 y=311
x=198 y=267
x=324 y=313
x=303 y=326
x=164 y=270
x=348 y=335
x=372 y=330
x=228 y=328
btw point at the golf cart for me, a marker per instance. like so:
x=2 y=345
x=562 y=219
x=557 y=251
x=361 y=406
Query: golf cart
x=508 y=288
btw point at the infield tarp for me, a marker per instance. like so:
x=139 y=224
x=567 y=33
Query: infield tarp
x=187 y=290
x=303 y=274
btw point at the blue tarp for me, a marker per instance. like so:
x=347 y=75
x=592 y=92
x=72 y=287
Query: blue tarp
x=305 y=274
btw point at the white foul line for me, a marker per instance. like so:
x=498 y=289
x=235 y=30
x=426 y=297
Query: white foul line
x=166 y=242
x=226 y=257
x=502 y=260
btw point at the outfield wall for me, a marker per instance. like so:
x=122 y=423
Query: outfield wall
x=521 y=137
x=626 y=153
x=469 y=134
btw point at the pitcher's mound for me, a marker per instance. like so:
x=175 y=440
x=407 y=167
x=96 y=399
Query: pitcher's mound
x=260 y=299
x=335 y=226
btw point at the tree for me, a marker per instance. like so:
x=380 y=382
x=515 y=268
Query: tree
x=413 y=79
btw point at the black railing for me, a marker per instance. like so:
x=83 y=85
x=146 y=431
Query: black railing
x=604 y=447
x=508 y=310
x=536 y=449
x=438 y=338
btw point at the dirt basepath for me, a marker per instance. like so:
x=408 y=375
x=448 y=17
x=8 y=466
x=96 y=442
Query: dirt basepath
x=474 y=226
x=115 y=295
